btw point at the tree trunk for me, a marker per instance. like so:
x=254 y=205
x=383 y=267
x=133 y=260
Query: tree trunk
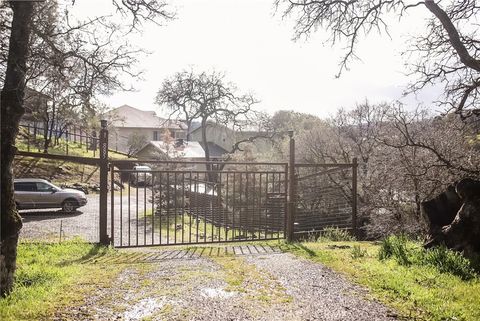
x=189 y=126
x=11 y=100
x=211 y=176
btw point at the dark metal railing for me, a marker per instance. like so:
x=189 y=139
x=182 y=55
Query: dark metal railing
x=61 y=140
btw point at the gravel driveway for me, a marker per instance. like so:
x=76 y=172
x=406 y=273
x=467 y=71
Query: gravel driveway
x=225 y=284
x=50 y=224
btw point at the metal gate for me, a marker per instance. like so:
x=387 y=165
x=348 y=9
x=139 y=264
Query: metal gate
x=173 y=202
x=325 y=196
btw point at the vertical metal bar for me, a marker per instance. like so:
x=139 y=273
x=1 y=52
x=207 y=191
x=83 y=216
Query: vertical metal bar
x=212 y=212
x=273 y=214
x=144 y=208
x=190 y=194
x=234 y=203
x=260 y=206
x=285 y=204
x=291 y=190
x=136 y=207
x=226 y=208
x=240 y=216
x=267 y=207
x=219 y=206
x=121 y=209
x=183 y=207
x=153 y=207
x=247 y=217
x=112 y=205
x=205 y=195
x=222 y=208
x=279 y=218
x=168 y=208
x=354 y=196
x=103 y=210
x=129 y=210
x=160 y=202
x=197 y=223
x=176 y=208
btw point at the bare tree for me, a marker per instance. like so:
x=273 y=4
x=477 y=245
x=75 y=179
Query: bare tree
x=446 y=53
x=19 y=65
x=206 y=97
x=135 y=142
x=405 y=158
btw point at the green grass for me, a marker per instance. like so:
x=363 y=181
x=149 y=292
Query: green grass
x=407 y=252
x=74 y=148
x=420 y=289
x=59 y=171
x=51 y=276
x=189 y=230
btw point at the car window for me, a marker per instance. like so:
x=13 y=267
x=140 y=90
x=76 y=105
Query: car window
x=43 y=187
x=25 y=187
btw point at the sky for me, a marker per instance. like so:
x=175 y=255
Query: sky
x=253 y=46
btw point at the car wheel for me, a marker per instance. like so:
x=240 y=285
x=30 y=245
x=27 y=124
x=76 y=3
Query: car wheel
x=69 y=206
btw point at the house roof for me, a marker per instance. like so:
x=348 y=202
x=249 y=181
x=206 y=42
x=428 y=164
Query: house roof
x=131 y=117
x=215 y=150
x=187 y=150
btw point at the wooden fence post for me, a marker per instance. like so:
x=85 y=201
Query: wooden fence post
x=291 y=189
x=104 y=239
x=354 y=196
x=28 y=137
x=66 y=139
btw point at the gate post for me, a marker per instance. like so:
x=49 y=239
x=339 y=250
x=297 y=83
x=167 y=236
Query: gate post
x=104 y=239
x=291 y=189
x=354 y=196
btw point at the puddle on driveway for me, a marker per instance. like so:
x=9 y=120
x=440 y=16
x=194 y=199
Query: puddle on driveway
x=217 y=293
x=143 y=309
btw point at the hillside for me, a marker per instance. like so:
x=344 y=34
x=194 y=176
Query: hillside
x=57 y=171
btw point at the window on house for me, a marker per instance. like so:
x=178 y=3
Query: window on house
x=155 y=135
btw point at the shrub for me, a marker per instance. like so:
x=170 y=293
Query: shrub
x=406 y=252
x=448 y=261
x=395 y=247
x=357 y=252
x=336 y=234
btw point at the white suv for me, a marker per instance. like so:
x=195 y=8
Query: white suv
x=35 y=193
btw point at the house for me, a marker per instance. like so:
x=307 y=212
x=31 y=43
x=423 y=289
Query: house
x=127 y=121
x=179 y=150
x=175 y=150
